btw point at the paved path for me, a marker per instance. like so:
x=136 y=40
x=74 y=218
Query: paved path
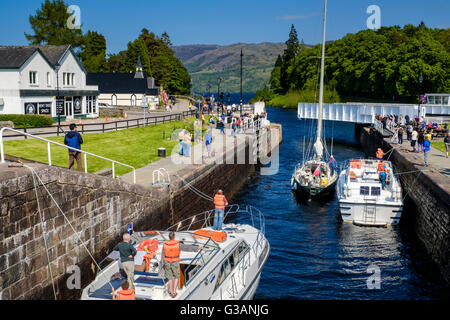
x=174 y=164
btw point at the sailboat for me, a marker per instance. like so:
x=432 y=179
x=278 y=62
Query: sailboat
x=316 y=176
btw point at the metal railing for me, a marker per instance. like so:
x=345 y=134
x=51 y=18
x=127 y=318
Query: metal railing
x=108 y=126
x=49 y=142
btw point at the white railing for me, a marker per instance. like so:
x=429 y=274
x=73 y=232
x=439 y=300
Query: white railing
x=49 y=142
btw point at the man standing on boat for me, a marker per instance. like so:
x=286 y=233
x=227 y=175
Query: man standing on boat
x=332 y=164
x=171 y=253
x=382 y=170
x=379 y=154
x=220 y=202
x=127 y=253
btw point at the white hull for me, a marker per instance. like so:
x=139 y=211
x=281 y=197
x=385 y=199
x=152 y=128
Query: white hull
x=384 y=215
x=362 y=201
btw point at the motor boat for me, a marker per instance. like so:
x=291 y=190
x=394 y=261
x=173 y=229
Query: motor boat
x=217 y=265
x=362 y=201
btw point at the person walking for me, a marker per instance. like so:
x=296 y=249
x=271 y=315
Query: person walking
x=187 y=144
x=220 y=202
x=180 y=139
x=171 y=253
x=208 y=142
x=447 y=143
x=74 y=139
x=426 y=150
x=400 y=135
x=420 y=141
x=414 y=136
x=127 y=253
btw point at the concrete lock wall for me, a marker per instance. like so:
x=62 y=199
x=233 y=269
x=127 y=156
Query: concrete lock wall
x=99 y=208
x=427 y=192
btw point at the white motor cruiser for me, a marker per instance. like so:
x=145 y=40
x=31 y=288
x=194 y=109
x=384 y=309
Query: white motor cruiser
x=214 y=265
x=361 y=198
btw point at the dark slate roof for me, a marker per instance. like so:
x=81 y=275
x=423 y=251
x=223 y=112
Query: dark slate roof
x=117 y=82
x=13 y=57
x=54 y=53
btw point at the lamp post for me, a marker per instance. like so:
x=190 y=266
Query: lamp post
x=57 y=100
x=240 y=102
x=219 y=79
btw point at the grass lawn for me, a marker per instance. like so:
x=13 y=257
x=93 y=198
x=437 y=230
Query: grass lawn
x=136 y=147
x=438 y=145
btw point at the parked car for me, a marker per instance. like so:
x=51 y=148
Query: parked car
x=104 y=105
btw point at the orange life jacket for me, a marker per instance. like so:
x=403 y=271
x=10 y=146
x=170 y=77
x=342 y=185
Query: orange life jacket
x=172 y=251
x=150 y=246
x=381 y=167
x=126 y=294
x=380 y=154
x=219 y=201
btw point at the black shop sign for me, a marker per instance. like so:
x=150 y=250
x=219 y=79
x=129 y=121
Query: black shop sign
x=60 y=106
x=30 y=108
x=77 y=105
x=45 y=108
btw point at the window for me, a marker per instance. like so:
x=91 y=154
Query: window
x=375 y=191
x=68 y=79
x=33 y=77
x=49 y=79
x=133 y=100
x=364 y=191
x=114 y=100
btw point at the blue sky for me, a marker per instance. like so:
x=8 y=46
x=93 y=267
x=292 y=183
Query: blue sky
x=224 y=22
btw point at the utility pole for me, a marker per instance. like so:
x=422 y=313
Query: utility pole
x=240 y=104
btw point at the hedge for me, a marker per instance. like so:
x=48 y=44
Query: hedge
x=27 y=120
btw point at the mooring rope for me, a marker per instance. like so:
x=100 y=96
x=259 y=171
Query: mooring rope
x=67 y=220
x=195 y=190
x=44 y=231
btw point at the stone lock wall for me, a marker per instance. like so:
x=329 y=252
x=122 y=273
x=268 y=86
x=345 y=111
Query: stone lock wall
x=99 y=208
x=428 y=192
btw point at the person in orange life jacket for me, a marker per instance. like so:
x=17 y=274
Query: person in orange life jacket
x=125 y=293
x=127 y=253
x=382 y=170
x=219 y=202
x=380 y=154
x=171 y=254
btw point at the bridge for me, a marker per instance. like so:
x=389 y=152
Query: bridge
x=362 y=112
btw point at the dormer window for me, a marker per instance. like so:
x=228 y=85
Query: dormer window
x=68 y=79
x=33 y=78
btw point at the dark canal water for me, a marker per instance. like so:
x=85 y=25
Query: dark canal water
x=314 y=255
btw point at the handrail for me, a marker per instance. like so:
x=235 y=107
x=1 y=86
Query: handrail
x=2 y=152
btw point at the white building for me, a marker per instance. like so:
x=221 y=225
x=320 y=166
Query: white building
x=34 y=78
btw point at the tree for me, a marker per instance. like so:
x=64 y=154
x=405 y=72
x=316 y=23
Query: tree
x=93 y=52
x=50 y=26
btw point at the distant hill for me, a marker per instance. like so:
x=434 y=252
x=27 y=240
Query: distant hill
x=205 y=63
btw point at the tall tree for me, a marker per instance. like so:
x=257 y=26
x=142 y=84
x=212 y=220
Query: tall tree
x=50 y=26
x=93 y=52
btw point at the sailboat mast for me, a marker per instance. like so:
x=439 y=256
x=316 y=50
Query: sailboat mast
x=322 y=67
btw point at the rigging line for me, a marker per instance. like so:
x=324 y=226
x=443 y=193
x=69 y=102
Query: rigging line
x=44 y=233
x=406 y=172
x=65 y=217
x=195 y=190
x=409 y=187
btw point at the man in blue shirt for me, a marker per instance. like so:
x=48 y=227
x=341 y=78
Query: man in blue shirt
x=73 y=139
x=426 y=150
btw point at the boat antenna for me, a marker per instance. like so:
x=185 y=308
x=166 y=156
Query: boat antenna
x=322 y=67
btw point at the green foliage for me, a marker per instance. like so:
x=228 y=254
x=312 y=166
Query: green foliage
x=27 y=120
x=264 y=94
x=292 y=98
x=381 y=65
x=50 y=26
x=93 y=54
x=135 y=50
